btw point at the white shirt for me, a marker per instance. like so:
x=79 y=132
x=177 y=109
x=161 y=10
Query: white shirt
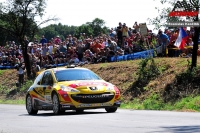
x=20 y=71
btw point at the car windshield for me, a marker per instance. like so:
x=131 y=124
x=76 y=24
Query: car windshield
x=76 y=74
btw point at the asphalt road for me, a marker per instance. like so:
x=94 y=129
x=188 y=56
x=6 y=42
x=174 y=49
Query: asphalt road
x=14 y=119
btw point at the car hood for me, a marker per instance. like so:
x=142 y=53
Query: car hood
x=87 y=85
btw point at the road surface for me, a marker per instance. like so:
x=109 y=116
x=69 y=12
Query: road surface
x=14 y=119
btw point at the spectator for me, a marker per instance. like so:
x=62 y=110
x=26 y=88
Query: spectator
x=119 y=34
x=74 y=60
x=112 y=45
x=163 y=41
x=35 y=69
x=45 y=49
x=136 y=27
x=21 y=70
x=43 y=40
x=57 y=40
x=80 y=50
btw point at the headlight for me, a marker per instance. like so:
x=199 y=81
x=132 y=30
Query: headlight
x=68 y=89
x=110 y=88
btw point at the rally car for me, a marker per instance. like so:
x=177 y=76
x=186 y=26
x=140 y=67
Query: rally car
x=73 y=88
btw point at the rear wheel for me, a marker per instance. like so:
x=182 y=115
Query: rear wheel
x=111 y=110
x=56 y=105
x=29 y=106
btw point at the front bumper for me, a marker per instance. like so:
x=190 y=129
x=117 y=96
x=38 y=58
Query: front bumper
x=90 y=106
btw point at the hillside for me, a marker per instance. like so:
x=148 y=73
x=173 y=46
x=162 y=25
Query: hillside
x=165 y=81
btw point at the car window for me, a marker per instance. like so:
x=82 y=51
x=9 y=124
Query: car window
x=47 y=78
x=38 y=78
x=76 y=74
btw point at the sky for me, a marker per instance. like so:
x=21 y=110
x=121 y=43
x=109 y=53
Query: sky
x=78 y=12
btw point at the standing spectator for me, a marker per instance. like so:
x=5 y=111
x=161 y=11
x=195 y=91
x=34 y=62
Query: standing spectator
x=50 y=48
x=136 y=27
x=124 y=30
x=43 y=40
x=163 y=41
x=112 y=33
x=21 y=71
x=119 y=34
x=57 y=40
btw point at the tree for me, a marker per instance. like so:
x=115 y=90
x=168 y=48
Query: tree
x=163 y=18
x=18 y=18
x=98 y=26
x=93 y=28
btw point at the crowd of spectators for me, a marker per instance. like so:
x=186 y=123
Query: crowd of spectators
x=121 y=40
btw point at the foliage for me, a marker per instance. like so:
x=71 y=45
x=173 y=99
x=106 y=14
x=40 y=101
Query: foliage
x=17 y=18
x=17 y=101
x=154 y=102
x=57 y=29
x=147 y=71
x=25 y=87
x=189 y=79
x=89 y=28
x=1 y=72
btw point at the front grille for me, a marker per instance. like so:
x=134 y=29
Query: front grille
x=93 y=98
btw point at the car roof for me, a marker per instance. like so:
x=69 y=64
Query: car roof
x=66 y=68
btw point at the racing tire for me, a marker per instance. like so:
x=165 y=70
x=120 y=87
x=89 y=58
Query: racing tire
x=29 y=106
x=79 y=110
x=56 y=105
x=111 y=110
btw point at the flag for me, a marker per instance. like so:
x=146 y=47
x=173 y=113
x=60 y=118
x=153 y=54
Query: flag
x=182 y=38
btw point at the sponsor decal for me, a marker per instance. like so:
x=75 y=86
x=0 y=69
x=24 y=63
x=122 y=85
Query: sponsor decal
x=95 y=104
x=65 y=106
x=95 y=96
x=184 y=8
x=188 y=9
x=91 y=84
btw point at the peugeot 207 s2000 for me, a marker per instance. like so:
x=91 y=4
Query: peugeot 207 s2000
x=61 y=89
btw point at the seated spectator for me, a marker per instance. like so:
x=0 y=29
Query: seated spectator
x=112 y=45
x=74 y=60
x=109 y=53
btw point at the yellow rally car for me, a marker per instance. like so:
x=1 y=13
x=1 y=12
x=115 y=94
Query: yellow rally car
x=74 y=88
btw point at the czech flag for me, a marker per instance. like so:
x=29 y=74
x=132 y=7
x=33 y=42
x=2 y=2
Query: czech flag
x=182 y=38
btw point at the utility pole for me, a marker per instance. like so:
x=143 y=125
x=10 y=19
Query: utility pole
x=195 y=39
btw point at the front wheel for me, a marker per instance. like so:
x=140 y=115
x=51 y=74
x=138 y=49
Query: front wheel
x=111 y=110
x=29 y=106
x=56 y=105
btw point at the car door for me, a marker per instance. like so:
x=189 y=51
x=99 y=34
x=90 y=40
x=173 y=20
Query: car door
x=46 y=84
x=37 y=87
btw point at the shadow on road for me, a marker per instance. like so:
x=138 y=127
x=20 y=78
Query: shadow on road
x=180 y=129
x=66 y=113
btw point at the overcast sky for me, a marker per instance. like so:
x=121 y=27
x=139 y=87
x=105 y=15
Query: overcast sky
x=77 y=12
